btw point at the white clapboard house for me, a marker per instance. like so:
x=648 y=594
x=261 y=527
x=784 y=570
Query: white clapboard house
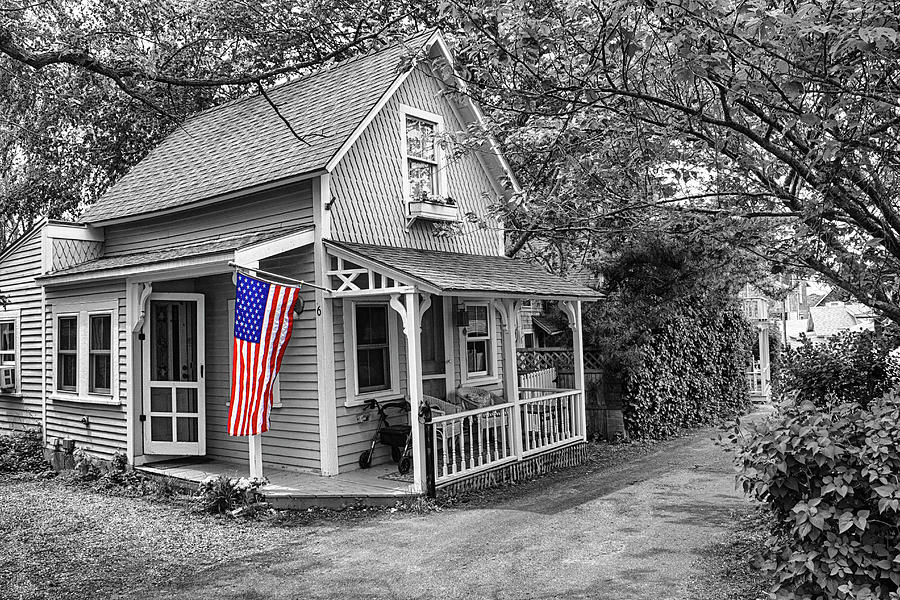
x=117 y=331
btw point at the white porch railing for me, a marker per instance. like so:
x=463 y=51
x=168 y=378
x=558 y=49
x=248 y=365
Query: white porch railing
x=476 y=440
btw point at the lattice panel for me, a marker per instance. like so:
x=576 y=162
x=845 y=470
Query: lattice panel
x=536 y=359
x=68 y=253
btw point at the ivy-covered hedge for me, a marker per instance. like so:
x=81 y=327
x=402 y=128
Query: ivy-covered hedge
x=830 y=476
x=691 y=372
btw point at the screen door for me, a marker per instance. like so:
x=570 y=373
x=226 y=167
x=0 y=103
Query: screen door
x=174 y=384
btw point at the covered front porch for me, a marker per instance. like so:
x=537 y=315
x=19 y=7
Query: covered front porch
x=459 y=317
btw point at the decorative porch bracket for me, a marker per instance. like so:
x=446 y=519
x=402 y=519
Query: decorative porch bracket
x=411 y=309
x=146 y=290
x=573 y=312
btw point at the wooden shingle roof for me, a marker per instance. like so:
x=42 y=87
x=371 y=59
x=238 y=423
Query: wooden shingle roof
x=451 y=273
x=244 y=144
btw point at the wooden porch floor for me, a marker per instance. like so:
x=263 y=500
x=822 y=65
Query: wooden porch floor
x=294 y=489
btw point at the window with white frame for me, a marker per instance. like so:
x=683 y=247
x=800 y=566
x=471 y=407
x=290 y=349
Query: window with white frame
x=480 y=342
x=9 y=355
x=423 y=158
x=85 y=351
x=370 y=329
x=373 y=348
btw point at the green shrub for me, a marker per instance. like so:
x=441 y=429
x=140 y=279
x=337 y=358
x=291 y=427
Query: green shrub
x=22 y=452
x=850 y=367
x=219 y=495
x=691 y=372
x=831 y=477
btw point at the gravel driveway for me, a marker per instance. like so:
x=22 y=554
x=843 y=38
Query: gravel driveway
x=632 y=525
x=628 y=531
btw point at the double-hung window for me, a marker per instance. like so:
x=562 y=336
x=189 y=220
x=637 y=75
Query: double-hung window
x=9 y=356
x=373 y=348
x=423 y=157
x=372 y=358
x=85 y=349
x=480 y=342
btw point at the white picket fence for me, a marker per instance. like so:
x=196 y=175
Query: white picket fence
x=543 y=378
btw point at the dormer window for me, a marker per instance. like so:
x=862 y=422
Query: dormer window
x=421 y=157
x=424 y=167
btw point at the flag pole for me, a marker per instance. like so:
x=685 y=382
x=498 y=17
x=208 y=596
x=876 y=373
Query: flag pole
x=255 y=441
x=277 y=276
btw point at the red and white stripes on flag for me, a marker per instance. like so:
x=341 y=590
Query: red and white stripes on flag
x=263 y=322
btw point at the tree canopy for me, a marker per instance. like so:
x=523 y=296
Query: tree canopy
x=784 y=113
x=768 y=126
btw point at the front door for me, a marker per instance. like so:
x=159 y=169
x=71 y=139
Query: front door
x=174 y=383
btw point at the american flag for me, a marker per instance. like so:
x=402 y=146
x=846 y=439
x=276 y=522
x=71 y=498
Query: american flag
x=263 y=322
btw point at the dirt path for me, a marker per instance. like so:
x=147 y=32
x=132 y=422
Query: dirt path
x=629 y=531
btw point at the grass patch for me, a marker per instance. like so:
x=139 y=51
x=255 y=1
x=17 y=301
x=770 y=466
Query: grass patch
x=732 y=569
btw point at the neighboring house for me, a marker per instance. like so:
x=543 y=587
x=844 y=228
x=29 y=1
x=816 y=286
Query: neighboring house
x=834 y=317
x=539 y=324
x=117 y=333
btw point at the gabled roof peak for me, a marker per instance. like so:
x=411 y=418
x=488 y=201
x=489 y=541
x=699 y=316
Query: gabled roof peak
x=243 y=144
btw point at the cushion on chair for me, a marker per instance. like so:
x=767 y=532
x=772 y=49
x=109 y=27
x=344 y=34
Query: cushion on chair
x=472 y=397
x=448 y=408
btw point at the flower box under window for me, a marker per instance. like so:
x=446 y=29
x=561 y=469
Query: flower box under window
x=433 y=211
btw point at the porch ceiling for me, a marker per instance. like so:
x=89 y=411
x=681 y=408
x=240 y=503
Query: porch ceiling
x=454 y=274
x=220 y=249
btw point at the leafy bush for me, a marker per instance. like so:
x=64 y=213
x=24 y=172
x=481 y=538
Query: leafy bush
x=850 y=367
x=22 y=452
x=691 y=373
x=220 y=495
x=831 y=477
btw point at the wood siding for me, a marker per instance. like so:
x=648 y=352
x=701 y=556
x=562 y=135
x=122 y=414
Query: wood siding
x=367 y=184
x=105 y=431
x=293 y=438
x=17 y=272
x=287 y=208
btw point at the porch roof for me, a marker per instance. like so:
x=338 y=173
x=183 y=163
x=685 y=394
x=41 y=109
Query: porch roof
x=219 y=249
x=451 y=273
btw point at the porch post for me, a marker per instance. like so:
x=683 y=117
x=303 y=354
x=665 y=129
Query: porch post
x=509 y=312
x=412 y=327
x=573 y=310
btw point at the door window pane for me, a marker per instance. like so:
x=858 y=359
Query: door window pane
x=433 y=359
x=186 y=400
x=173 y=340
x=160 y=400
x=186 y=429
x=161 y=429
